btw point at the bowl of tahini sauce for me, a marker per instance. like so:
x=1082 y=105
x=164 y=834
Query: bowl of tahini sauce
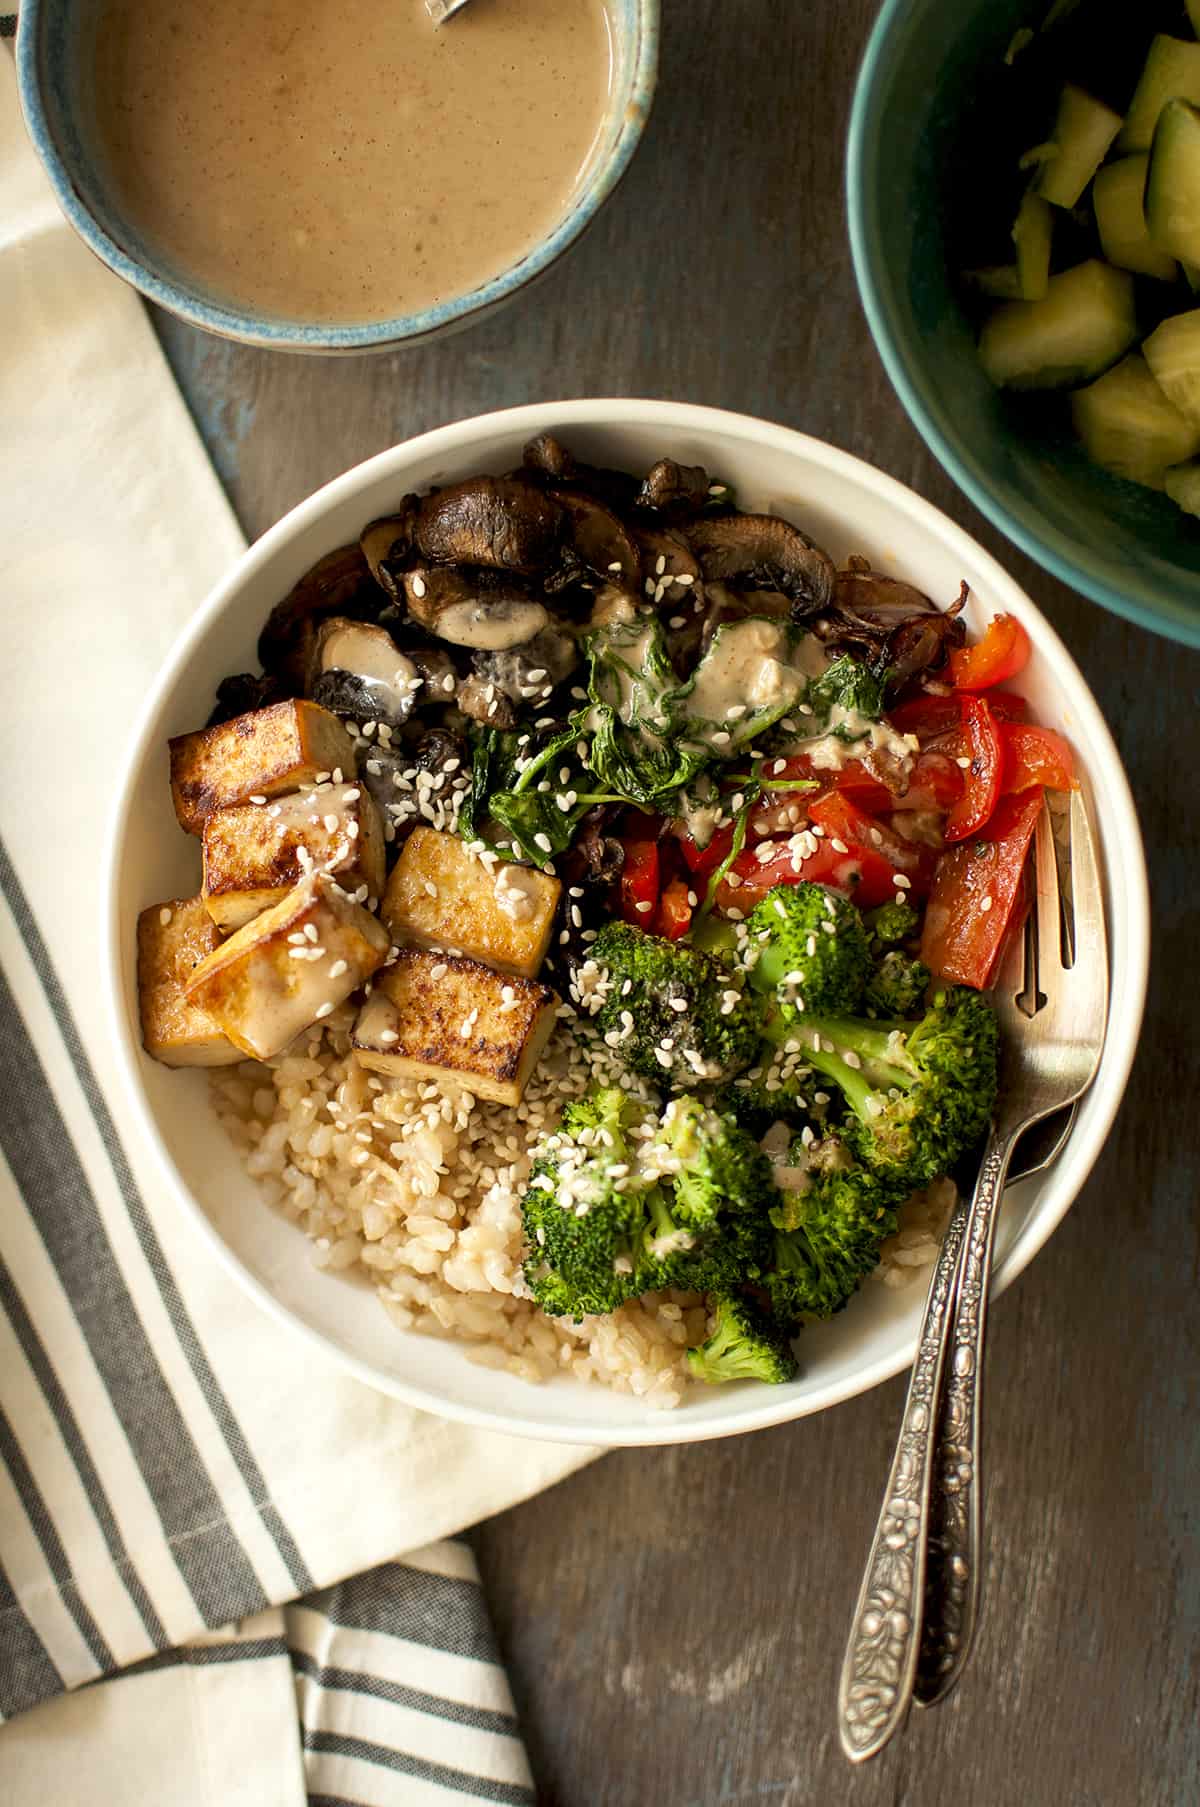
x=334 y=175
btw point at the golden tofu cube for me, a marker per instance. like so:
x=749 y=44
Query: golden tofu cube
x=261 y=754
x=172 y=939
x=254 y=853
x=288 y=968
x=441 y=896
x=452 y=1021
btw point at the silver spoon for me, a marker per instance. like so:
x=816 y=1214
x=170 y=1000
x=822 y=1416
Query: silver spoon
x=441 y=10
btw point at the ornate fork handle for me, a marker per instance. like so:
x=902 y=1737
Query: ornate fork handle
x=954 y=1533
x=881 y=1655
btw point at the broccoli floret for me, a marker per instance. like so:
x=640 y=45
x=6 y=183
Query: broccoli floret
x=828 y=1232
x=619 y=1204
x=743 y=1345
x=812 y=949
x=917 y=1094
x=673 y=1013
x=897 y=986
x=892 y=923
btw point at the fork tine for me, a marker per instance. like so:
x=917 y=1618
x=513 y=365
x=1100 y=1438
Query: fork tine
x=1087 y=897
x=1047 y=906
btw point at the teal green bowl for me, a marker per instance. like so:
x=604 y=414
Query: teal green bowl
x=1126 y=547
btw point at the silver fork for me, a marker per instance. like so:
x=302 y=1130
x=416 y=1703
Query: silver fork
x=919 y=1600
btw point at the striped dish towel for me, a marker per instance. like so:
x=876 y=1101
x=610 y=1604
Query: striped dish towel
x=185 y=1488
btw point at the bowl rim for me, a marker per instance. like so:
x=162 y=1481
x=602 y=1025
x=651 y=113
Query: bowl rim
x=1106 y=775
x=263 y=331
x=1138 y=600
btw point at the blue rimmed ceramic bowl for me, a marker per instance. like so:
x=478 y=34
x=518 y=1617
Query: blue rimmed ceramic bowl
x=1126 y=547
x=52 y=65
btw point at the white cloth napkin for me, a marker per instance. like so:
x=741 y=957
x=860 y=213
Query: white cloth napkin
x=170 y=1459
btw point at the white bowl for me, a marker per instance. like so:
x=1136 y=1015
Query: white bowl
x=848 y=507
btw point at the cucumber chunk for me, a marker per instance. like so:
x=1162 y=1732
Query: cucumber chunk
x=1173 y=182
x=1120 y=216
x=1171 y=71
x=1083 y=323
x=1128 y=426
x=1173 y=354
x=1031 y=233
x=1082 y=133
x=1182 y=484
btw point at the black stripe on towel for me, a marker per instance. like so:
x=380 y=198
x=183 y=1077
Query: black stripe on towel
x=13 y=1458
x=151 y=1249
x=337 y=1744
x=27 y=1674
x=439 y=1611
x=200 y=1656
x=12 y=1304
x=357 y=1681
x=54 y=1186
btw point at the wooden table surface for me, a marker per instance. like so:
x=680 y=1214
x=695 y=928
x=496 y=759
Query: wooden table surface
x=674 y=1618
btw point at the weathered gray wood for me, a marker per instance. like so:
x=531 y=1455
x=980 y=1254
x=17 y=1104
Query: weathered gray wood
x=674 y=1619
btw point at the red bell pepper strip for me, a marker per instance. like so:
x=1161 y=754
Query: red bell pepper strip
x=1002 y=651
x=976 y=893
x=1036 y=756
x=639 y=881
x=930 y=715
x=981 y=779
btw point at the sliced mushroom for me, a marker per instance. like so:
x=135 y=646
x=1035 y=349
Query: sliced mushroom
x=505 y=523
x=598 y=541
x=677 y=488
x=613 y=604
x=892 y=621
x=546 y=456
x=481 y=699
x=338 y=584
x=673 y=573
x=764 y=552
x=243 y=693
x=530 y=672
x=386 y=544
x=359 y=672
x=483 y=610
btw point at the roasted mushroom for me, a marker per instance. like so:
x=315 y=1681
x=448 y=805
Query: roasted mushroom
x=338 y=584
x=764 y=552
x=546 y=456
x=360 y=673
x=680 y=489
x=386 y=545
x=673 y=574
x=242 y=694
x=529 y=672
x=483 y=610
x=597 y=542
x=894 y=623
x=504 y=523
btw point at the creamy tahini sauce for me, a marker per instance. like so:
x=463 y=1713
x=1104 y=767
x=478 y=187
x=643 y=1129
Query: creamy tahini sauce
x=346 y=159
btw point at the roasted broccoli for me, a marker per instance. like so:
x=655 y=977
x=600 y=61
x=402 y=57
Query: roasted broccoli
x=917 y=1094
x=811 y=949
x=743 y=1345
x=828 y=1231
x=619 y=1204
x=897 y=986
x=891 y=923
x=673 y=1013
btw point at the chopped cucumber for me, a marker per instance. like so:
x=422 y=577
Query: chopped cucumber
x=1001 y=281
x=1171 y=71
x=1182 y=484
x=1173 y=354
x=1083 y=131
x=1173 y=182
x=1124 y=235
x=1083 y=323
x=1031 y=235
x=1128 y=426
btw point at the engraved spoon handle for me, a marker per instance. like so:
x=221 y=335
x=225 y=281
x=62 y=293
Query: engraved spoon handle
x=879 y=1667
x=954 y=1519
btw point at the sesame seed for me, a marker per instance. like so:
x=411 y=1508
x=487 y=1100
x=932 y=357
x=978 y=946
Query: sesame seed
x=721 y=739
x=258 y=799
x=544 y=842
x=448 y=682
x=323 y=1010
x=310 y=931
x=338 y=968
x=985 y=903
x=963 y=761
x=616 y=565
x=644 y=907
x=838 y=846
x=902 y=881
x=418 y=584
x=388 y=1035
x=165 y=915
x=439 y=971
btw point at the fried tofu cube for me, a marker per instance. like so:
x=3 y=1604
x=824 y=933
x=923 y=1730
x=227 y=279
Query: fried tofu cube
x=451 y=1021
x=441 y=896
x=288 y=968
x=172 y=939
x=254 y=853
x=261 y=754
